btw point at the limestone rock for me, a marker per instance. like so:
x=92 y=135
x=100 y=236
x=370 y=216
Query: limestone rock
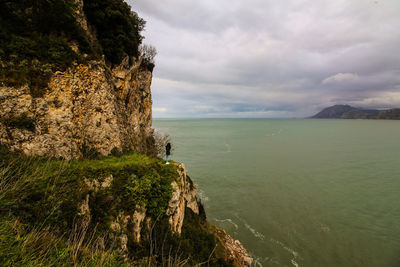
x=128 y=225
x=86 y=107
x=184 y=195
x=236 y=252
x=137 y=219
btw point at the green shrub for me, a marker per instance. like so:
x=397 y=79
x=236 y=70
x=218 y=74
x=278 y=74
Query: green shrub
x=150 y=191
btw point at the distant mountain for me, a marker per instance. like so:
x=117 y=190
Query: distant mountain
x=349 y=112
x=334 y=112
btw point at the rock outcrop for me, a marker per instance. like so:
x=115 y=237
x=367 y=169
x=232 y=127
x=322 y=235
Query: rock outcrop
x=86 y=107
x=130 y=224
x=184 y=195
x=236 y=252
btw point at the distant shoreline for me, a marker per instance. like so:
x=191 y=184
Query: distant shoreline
x=349 y=112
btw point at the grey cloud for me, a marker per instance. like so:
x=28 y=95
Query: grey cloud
x=270 y=58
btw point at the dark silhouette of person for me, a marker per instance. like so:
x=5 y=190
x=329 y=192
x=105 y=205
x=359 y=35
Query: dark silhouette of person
x=168 y=152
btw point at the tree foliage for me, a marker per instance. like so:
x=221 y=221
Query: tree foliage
x=118 y=28
x=40 y=30
x=37 y=36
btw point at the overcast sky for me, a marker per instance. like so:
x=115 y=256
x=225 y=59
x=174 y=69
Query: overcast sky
x=271 y=58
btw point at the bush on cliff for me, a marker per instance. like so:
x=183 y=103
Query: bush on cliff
x=118 y=28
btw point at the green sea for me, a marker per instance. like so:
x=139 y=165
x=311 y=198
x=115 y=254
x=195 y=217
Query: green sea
x=298 y=192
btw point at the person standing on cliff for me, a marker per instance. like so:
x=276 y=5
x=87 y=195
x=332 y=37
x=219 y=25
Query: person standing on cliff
x=168 y=152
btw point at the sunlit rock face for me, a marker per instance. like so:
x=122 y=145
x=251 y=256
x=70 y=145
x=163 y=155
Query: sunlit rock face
x=184 y=195
x=86 y=107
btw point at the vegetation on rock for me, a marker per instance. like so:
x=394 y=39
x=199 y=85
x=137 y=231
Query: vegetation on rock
x=40 y=37
x=118 y=28
x=34 y=40
x=148 y=53
x=40 y=201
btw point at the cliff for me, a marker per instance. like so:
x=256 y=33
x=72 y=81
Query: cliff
x=349 y=112
x=75 y=88
x=86 y=107
x=95 y=106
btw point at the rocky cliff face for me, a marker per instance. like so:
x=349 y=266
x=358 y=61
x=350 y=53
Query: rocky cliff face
x=86 y=107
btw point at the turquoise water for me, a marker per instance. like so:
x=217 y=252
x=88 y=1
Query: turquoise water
x=298 y=192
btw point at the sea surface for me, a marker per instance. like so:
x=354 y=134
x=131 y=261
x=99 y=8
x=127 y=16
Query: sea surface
x=298 y=192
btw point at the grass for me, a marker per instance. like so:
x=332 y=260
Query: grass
x=116 y=162
x=39 y=200
x=22 y=245
x=37 y=193
x=34 y=183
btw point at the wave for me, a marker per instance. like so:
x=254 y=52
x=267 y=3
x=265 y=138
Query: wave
x=294 y=263
x=274 y=133
x=254 y=232
x=324 y=228
x=251 y=229
x=227 y=148
x=291 y=251
x=257 y=262
x=228 y=220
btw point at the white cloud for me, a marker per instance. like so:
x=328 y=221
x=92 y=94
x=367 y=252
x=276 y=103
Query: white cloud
x=340 y=77
x=384 y=100
x=161 y=110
